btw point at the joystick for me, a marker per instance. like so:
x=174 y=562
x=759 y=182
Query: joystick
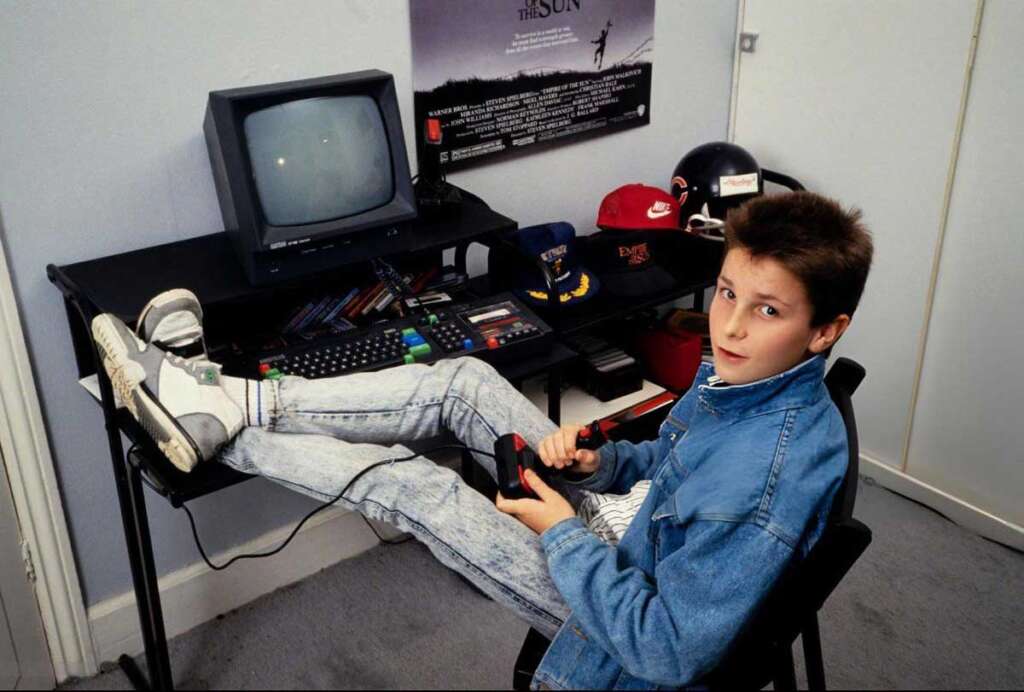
x=591 y=437
x=433 y=194
x=514 y=457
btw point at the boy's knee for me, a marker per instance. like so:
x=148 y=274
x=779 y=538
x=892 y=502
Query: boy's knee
x=475 y=370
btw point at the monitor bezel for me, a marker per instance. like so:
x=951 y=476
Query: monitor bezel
x=229 y=108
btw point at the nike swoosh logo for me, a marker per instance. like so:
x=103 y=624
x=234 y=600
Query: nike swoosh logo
x=651 y=214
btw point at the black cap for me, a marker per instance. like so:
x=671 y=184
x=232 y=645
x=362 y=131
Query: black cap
x=625 y=263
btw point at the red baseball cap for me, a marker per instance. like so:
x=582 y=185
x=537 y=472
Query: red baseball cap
x=638 y=207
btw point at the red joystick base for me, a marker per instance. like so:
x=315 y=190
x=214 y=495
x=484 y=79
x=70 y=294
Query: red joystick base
x=513 y=457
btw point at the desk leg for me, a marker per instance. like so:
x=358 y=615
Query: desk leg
x=147 y=593
x=555 y=395
x=132 y=502
x=157 y=658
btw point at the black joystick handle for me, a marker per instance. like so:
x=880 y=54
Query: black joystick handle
x=591 y=437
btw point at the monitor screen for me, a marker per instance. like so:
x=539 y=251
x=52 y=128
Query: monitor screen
x=318 y=159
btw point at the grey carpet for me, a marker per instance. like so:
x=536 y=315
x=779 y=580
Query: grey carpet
x=929 y=605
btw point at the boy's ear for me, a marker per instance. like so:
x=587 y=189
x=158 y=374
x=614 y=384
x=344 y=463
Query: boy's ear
x=827 y=334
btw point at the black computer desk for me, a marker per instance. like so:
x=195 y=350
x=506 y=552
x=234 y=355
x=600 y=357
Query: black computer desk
x=122 y=284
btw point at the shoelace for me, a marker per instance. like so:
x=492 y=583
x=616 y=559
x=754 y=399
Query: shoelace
x=190 y=365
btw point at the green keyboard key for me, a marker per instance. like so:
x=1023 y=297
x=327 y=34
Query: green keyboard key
x=420 y=350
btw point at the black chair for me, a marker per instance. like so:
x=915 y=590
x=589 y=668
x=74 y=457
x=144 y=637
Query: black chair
x=763 y=652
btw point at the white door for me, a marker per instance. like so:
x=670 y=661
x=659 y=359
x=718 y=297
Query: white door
x=966 y=437
x=24 y=657
x=858 y=99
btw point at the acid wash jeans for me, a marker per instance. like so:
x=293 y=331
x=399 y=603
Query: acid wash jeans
x=326 y=431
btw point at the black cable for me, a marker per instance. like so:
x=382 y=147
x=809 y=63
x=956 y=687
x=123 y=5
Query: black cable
x=339 y=496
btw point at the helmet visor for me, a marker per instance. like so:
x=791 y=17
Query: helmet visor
x=706 y=227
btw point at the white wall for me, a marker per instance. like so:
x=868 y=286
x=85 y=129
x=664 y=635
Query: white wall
x=967 y=426
x=102 y=151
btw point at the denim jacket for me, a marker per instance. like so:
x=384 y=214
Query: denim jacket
x=742 y=481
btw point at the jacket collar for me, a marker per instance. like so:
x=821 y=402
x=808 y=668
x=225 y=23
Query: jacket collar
x=800 y=385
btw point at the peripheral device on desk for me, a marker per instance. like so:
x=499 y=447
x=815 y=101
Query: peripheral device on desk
x=433 y=194
x=495 y=329
x=604 y=370
x=307 y=170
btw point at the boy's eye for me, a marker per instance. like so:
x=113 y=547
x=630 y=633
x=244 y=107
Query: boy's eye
x=769 y=311
x=727 y=293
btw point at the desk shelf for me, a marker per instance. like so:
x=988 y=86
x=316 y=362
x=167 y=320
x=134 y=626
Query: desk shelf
x=693 y=262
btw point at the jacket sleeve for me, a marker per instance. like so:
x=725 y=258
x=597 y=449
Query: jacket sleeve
x=623 y=464
x=674 y=627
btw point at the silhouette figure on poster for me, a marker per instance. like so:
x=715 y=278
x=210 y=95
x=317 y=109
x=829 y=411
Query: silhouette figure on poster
x=600 y=42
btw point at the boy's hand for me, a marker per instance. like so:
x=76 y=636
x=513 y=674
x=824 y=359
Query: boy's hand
x=558 y=450
x=540 y=515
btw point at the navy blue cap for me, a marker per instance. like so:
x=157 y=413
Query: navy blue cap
x=554 y=244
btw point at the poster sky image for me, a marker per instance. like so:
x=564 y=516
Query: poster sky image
x=461 y=39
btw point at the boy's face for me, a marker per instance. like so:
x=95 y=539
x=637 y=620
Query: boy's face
x=760 y=320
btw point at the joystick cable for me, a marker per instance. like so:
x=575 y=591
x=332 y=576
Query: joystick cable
x=339 y=496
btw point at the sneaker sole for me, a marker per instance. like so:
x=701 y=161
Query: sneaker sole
x=163 y=429
x=163 y=299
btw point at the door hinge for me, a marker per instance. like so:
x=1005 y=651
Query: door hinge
x=26 y=557
x=748 y=42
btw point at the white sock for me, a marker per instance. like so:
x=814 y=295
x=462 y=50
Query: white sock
x=256 y=398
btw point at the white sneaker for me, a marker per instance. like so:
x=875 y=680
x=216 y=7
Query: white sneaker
x=179 y=403
x=173 y=321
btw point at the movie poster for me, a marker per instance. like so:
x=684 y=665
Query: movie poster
x=503 y=76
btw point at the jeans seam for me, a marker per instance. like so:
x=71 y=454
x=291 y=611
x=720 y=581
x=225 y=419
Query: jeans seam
x=451 y=392
x=301 y=412
x=517 y=598
x=476 y=412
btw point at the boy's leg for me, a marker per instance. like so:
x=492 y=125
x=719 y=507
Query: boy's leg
x=184 y=406
x=463 y=529
x=412 y=402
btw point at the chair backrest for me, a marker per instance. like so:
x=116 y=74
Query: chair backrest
x=807 y=583
x=842 y=381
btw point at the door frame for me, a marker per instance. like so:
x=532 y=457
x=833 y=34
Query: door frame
x=24 y=655
x=37 y=500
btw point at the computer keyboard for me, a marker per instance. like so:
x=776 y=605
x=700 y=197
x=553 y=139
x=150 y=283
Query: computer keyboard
x=495 y=329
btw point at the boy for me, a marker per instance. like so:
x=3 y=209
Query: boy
x=738 y=483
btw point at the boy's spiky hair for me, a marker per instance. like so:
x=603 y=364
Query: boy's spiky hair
x=825 y=246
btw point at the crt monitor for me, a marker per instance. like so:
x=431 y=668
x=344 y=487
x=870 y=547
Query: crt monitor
x=310 y=174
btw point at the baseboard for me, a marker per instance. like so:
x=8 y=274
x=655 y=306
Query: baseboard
x=195 y=594
x=956 y=510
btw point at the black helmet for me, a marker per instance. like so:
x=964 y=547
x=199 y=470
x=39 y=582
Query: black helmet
x=719 y=175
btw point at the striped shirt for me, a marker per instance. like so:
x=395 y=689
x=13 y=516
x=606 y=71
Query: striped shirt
x=608 y=515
